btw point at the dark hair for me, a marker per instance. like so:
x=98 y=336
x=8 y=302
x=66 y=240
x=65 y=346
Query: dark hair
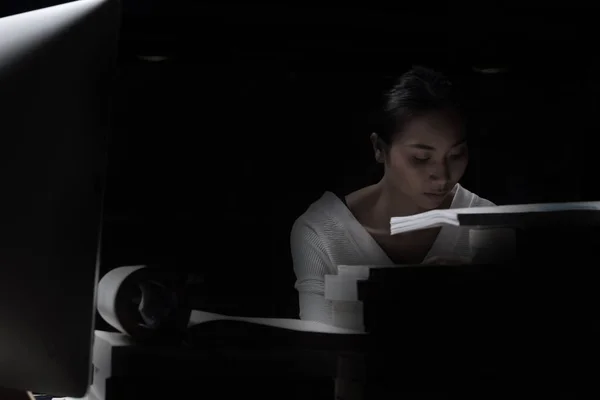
x=417 y=92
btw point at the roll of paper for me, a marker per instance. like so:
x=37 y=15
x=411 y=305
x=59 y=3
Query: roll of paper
x=145 y=303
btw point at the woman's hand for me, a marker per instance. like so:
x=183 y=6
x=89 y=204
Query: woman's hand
x=451 y=260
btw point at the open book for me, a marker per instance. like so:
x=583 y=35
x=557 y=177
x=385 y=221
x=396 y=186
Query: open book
x=512 y=216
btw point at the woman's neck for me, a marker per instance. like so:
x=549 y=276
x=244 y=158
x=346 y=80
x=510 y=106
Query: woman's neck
x=390 y=202
x=375 y=205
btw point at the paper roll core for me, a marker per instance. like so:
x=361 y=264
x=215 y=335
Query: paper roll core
x=122 y=299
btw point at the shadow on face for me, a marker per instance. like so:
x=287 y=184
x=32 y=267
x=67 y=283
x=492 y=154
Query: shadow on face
x=427 y=158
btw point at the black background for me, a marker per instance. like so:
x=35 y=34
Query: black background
x=259 y=108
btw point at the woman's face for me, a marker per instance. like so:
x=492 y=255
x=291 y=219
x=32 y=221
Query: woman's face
x=428 y=158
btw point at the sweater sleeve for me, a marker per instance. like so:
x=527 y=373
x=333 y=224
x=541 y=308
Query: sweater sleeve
x=311 y=264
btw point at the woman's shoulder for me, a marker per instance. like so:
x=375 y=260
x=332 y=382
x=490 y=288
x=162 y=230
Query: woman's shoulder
x=326 y=215
x=464 y=198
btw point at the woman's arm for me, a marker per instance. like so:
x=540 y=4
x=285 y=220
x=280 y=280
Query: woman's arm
x=311 y=264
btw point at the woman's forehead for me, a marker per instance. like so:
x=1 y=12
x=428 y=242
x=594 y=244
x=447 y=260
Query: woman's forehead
x=433 y=130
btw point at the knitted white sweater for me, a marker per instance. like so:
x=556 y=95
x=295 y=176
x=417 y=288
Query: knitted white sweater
x=328 y=235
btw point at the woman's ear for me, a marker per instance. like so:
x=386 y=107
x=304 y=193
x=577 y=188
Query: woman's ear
x=378 y=148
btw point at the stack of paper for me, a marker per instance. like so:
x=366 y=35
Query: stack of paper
x=200 y=317
x=487 y=216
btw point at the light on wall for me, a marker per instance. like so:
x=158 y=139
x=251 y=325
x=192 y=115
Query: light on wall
x=152 y=58
x=490 y=70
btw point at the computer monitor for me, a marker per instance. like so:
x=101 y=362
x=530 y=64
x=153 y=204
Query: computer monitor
x=56 y=75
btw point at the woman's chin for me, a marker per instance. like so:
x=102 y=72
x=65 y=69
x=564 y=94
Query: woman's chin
x=432 y=201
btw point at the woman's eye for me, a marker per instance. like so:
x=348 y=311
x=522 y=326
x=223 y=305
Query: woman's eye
x=421 y=158
x=458 y=154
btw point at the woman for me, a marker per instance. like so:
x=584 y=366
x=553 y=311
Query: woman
x=423 y=148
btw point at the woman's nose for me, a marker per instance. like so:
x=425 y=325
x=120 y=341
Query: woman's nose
x=440 y=174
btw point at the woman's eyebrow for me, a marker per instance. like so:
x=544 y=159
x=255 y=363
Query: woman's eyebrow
x=429 y=147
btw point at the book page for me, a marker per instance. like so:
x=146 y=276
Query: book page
x=433 y=214
x=397 y=227
x=435 y=218
x=525 y=208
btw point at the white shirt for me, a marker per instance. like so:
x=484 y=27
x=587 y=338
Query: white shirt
x=328 y=235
